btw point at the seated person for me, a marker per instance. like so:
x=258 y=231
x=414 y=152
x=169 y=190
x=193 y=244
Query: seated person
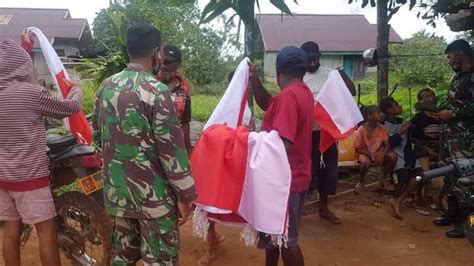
x=406 y=168
x=426 y=133
x=372 y=147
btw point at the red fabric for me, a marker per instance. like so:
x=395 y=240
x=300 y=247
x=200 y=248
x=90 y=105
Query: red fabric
x=243 y=104
x=26 y=185
x=231 y=217
x=290 y=113
x=330 y=134
x=219 y=162
x=78 y=123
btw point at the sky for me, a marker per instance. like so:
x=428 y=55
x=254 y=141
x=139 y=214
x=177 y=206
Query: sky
x=404 y=22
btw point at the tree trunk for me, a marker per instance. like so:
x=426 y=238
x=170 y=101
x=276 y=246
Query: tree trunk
x=383 y=32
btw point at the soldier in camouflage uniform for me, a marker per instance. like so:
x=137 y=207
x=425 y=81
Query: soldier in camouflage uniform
x=458 y=132
x=147 y=183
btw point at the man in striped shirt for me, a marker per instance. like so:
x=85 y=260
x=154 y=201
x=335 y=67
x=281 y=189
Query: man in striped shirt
x=25 y=195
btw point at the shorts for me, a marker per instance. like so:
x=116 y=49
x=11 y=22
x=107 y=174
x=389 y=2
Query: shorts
x=155 y=241
x=324 y=176
x=406 y=174
x=295 y=210
x=31 y=207
x=379 y=158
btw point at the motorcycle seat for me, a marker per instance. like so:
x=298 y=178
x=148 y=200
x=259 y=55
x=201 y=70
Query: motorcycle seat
x=466 y=181
x=70 y=152
x=57 y=143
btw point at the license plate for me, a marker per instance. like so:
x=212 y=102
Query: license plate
x=92 y=183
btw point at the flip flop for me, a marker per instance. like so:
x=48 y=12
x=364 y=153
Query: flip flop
x=423 y=211
x=331 y=218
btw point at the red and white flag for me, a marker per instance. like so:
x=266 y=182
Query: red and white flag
x=77 y=124
x=241 y=177
x=335 y=112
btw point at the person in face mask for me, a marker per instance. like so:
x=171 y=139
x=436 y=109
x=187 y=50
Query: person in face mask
x=458 y=137
x=148 y=185
x=324 y=179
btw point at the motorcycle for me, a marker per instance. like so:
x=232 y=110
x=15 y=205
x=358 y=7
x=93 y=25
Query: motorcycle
x=83 y=227
x=461 y=173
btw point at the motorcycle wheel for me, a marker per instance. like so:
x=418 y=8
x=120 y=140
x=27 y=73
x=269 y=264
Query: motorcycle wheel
x=84 y=229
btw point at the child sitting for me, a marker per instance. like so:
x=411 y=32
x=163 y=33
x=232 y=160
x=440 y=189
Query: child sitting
x=426 y=128
x=406 y=168
x=372 y=147
x=426 y=133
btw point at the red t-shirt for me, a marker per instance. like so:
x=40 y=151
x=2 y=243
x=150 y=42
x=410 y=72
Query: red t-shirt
x=291 y=114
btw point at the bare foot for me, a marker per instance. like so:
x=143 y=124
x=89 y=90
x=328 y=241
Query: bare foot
x=359 y=188
x=211 y=250
x=328 y=215
x=395 y=209
x=386 y=184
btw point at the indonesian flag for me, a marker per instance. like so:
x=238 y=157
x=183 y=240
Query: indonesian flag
x=335 y=112
x=241 y=177
x=233 y=108
x=77 y=124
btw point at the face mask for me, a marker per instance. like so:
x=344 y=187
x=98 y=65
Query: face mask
x=313 y=68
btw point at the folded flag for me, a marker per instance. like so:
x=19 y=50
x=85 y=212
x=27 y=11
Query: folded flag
x=77 y=124
x=335 y=111
x=242 y=178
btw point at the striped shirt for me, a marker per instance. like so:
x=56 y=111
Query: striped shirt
x=23 y=106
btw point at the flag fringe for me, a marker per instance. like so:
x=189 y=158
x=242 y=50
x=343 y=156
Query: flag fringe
x=200 y=223
x=249 y=235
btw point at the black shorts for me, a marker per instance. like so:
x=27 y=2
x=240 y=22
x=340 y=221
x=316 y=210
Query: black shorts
x=324 y=175
x=405 y=174
x=295 y=210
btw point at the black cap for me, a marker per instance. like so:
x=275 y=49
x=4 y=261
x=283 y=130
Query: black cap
x=311 y=48
x=172 y=53
x=459 y=46
x=291 y=57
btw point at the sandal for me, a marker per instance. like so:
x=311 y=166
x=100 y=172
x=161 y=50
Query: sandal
x=423 y=211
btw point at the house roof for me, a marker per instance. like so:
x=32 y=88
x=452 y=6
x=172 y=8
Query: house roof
x=54 y=23
x=333 y=33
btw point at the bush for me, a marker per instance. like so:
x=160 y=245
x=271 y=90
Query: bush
x=89 y=89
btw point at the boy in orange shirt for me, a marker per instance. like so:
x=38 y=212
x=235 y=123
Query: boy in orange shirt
x=372 y=148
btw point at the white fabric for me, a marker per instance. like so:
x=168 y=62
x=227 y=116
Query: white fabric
x=338 y=102
x=267 y=184
x=228 y=108
x=52 y=60
x=315 y=82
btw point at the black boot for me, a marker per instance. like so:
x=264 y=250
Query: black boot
x=449 y=216
x=456 y=232
x=444 y=220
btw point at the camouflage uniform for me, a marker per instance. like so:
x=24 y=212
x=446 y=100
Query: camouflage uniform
x=146 y=165
x=459 y=133
x=458 y=136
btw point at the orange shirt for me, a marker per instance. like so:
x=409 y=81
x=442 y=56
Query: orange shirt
x=373 y=141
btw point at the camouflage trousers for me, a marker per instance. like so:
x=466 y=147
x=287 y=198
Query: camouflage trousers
x=155 y=241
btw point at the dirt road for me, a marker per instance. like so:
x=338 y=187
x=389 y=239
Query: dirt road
x=368 y=236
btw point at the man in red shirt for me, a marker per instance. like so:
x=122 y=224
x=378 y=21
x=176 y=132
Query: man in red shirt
x=291 y=114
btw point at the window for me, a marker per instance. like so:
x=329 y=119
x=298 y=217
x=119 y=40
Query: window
x=60 y=52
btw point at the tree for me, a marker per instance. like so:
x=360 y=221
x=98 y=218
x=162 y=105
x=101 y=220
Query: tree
x=420 y=61
x=245 y=10
x=385 y=11
x=204 y=49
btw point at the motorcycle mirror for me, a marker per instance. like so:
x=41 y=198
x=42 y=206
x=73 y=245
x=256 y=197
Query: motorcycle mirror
x=370 y=57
